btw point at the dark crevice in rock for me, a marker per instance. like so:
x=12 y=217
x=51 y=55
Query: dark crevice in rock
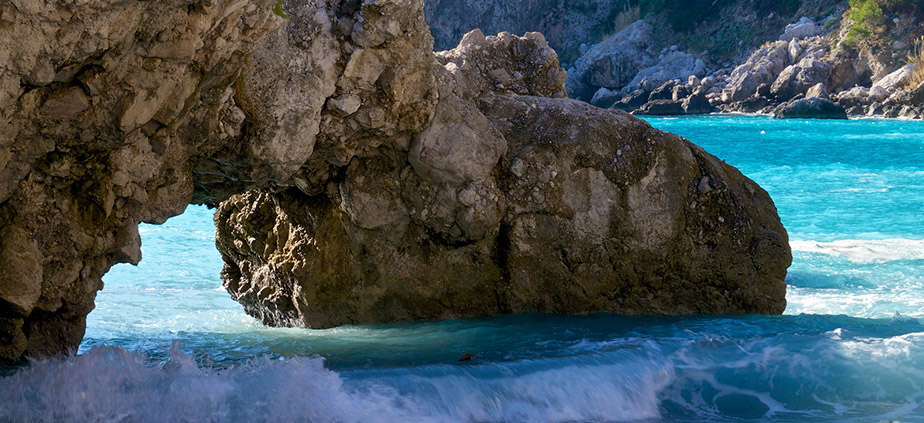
x=501 y=256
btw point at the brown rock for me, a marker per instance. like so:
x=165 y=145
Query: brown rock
x=369 y=178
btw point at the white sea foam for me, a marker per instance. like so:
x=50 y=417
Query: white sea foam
x=865 y=251
x=113 y=385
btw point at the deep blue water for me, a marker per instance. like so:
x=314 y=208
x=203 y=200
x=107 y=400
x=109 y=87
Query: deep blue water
x=166 y=343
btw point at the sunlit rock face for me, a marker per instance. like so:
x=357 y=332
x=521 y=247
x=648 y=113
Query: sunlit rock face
x=369 y=178
x=509 y=198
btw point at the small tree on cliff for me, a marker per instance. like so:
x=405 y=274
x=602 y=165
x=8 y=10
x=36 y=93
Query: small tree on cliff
x=865 y=17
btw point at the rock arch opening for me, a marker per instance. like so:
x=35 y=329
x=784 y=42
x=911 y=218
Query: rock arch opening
x=176 y=289
x=381 y=173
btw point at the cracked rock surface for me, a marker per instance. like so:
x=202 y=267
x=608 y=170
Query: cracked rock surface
x=359 y=177
x=507 y=198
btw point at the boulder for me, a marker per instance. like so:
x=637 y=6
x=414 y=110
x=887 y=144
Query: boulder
x=763 y=67
x=663 y=92
x=812 y=108
x=897 y=79
x=697 y=104
x=798 y=78
x=806 y=27
x=606 y=98
x=859 y=96
x=662 y=108
x=595 y=212
x=633 y=101
x=675 y=65
x=817 y=91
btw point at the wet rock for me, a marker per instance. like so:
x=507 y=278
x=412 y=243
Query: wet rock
x=812 y=108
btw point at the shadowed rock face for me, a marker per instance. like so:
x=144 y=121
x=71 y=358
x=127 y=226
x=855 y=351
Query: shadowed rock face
x=106 y=109
x=369 y=179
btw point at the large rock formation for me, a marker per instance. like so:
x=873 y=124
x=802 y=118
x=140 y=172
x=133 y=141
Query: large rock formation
x=107 y=109
x=393 y=183
x=511 y=199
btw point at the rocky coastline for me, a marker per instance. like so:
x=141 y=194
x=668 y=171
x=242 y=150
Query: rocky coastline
x=807 y=62
x=358 y=175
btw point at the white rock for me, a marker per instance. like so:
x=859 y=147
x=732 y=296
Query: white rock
x=806 y=27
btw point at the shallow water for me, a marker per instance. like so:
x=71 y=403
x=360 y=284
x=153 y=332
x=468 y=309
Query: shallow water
x=166 y=343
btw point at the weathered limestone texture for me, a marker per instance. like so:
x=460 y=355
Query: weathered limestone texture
x=509 y=199
x=105 y=109
x=360 y=176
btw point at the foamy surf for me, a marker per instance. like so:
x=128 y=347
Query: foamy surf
x=865 y=251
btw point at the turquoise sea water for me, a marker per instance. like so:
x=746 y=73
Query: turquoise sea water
x=166 y=343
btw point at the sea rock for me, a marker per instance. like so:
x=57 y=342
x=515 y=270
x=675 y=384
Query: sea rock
x=595 y=212
x=107 y=110
x=358 y=175
x=812 y=108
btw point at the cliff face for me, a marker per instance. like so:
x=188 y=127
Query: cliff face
x=726 y=30
x=566 y=24
x=391 y=183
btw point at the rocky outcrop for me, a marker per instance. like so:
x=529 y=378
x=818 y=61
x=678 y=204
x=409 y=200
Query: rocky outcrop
x=614 y=62
x=566 y=24
x=811 y=108
x=626 y=61
x=369 y=179
x=800 y=65
x=509 y=203
x=806 y=27
x=107 y=109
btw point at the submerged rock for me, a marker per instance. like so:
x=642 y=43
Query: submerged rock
x=812 y=108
